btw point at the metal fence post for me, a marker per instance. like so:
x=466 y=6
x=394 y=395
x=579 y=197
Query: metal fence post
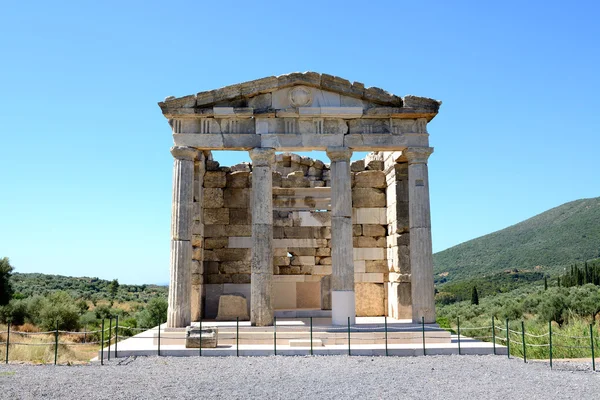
x=109 y=335
x=102 y=344
x=349 y=352
x=494 y=335
x=458 y=333
x=158 y=338
x=274 y=336
x=423 y=329
x=385 y=328
x=523 y=338
x=507 y=340
x=200 y=339
x=592 y=345
x=550 y=336
x=237 y=336
x=311 y=336
x=116 y=335
x=56 y=343
x=7 y=340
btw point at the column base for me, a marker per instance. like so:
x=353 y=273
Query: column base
x=343 y=305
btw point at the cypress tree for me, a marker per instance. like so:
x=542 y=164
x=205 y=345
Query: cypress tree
x=558 y=281
x=474 y=296
x=545 y=283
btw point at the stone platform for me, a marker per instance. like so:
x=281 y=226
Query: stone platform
x=367 y=338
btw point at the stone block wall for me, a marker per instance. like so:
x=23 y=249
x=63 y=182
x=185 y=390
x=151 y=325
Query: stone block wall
x=301 y=232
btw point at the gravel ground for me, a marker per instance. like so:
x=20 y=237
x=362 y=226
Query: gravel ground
x=331 y=377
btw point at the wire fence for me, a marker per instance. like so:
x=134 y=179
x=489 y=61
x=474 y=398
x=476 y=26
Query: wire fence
x=511 y=335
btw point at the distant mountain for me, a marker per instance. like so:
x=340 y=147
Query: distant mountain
x=566 y=234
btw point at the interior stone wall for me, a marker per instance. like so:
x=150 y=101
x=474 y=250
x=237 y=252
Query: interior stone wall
x=302 y=234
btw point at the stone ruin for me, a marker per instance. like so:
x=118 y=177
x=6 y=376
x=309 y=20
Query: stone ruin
x=288 y=232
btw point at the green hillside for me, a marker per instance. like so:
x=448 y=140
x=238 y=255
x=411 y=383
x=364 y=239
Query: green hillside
x=560 y=236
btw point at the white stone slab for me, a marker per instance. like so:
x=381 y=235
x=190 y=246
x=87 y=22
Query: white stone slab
x=223 y=111
x=359 y=266
x=369 y=216
x=369 y=253
x=343 y=305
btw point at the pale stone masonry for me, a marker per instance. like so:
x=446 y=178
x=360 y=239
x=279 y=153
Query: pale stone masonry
x=289 y=232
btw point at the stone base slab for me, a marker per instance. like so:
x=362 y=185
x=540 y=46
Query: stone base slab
x=343 y=306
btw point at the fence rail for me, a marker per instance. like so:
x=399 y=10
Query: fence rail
x=517 y=341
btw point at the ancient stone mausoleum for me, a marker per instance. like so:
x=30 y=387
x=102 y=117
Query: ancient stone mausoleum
x=291 y=232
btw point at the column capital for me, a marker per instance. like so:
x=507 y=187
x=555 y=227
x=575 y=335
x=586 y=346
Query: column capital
x=339 y=154
x=262 y=156
x=417 y=155
x=185 y=153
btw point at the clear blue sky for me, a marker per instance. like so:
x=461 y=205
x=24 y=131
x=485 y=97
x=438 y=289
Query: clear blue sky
x=85 y=166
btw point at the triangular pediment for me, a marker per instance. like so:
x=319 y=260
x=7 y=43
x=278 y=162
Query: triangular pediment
x=292 y=91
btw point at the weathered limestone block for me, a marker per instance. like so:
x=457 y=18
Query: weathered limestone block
x=232 y=254
x=322 y=270
x=216 y=216
x=240 y=216
x=323 y=252
x=197 y=240
x=215 y=243
x=375 y=161
x=237 y=198
x=241 y=167
x=213 y=198
x=197 y=253
x=235 y=267
x=238 y=230
x=281 y=261
x=380 y=266
x=303 y=260
x=370 y=179
x=356 y=230
x=232 y=306
x=215 y=179
x=368 y=197
x=369 y=299
x=238 y=179
x=373 y=230
x=357 y=166
x=325 y=260
x=208 y=337
x=302 y=251
x=213 y=230
x=368 y=241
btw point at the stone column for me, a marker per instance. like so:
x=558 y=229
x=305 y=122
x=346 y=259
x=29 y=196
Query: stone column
x=342 y=252
x=398 y=239
x=261 y=280
x=421 y=257
x=179 y=313
x=197 y=277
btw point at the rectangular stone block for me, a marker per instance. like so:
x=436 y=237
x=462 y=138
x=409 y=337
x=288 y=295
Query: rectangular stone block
x=302 y=251
x=232 y=254
x=373 y=230
x=369 y=216
x=240 y=216
x=238 y=179
x=215 y=179
x=323 y=252
x=235 y=267
x=237 y=198
x=302 y=260
x=216 y=216
x=379 y=266
x=369 y=299
x=238 y=230
x=214 y=230
x=321 y=270
x=308 y=295
x=215 y=243
x=370 y=179
x=368 y=197
x=213 y=198
x=369 y=254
